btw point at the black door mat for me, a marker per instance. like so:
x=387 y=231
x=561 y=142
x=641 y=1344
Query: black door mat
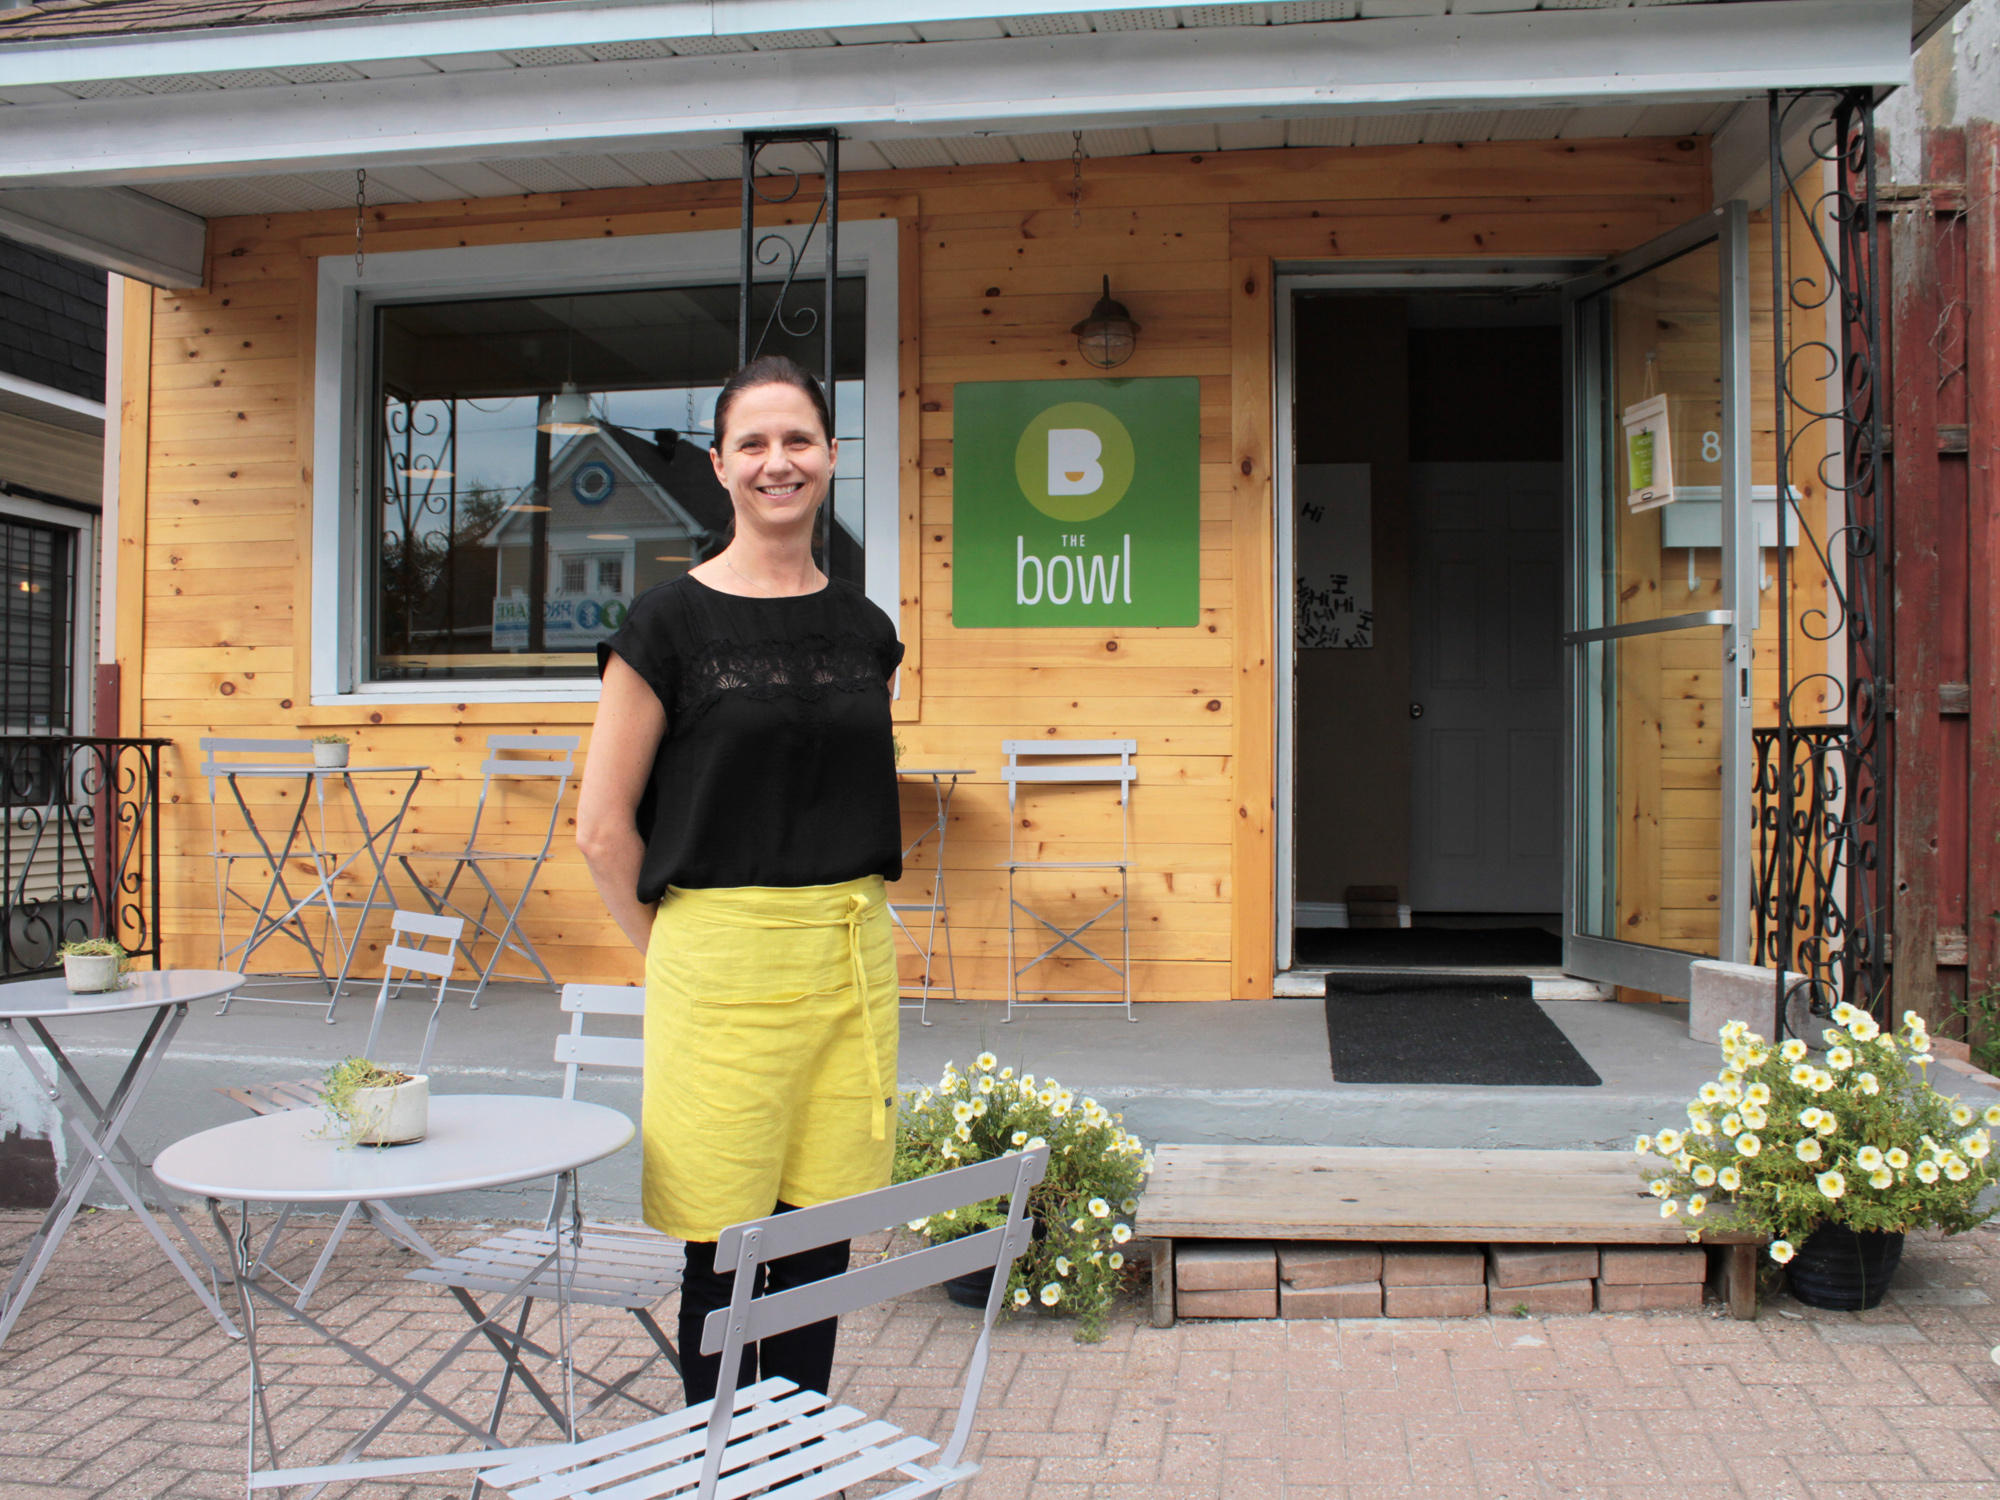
x=1388 y=1028
x=1428 y=947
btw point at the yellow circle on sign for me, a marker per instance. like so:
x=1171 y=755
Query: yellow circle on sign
x=1074 y=461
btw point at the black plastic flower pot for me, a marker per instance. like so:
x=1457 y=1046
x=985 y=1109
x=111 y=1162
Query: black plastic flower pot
x=1844 y=1270
x=971 y=1289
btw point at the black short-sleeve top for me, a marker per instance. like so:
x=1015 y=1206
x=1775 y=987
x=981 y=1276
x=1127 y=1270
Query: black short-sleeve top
x=778 y=766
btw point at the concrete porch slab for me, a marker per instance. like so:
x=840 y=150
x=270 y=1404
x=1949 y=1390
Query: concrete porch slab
x=1247 y=1072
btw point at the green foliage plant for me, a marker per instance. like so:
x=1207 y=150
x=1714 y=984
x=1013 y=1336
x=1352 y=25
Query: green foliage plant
x=1981 y=1012
x=343 y=1081
x=1787 y=1138
x=98 y=948
x=329 y=739
x=1084 y=1206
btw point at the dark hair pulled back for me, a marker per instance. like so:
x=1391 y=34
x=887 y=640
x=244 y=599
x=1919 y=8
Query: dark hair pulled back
x=771 y=369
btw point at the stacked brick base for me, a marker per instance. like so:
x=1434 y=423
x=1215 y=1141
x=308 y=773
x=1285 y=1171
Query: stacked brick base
x=1250 y=1279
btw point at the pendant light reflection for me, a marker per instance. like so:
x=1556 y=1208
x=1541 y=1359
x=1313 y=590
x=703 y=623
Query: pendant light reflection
x=567 y=413
x=1108 y=336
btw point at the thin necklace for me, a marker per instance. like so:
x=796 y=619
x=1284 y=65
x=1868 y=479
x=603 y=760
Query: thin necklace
x=768 y=594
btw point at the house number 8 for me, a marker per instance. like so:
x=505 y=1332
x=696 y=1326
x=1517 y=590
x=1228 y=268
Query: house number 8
x=1711 y=447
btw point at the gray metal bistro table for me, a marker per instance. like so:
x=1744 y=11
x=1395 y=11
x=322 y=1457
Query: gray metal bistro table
x=475 y=1141
x=280 y=912
x=26 y=1009
x=944 y=782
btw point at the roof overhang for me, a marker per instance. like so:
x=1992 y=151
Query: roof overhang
x=62 y=152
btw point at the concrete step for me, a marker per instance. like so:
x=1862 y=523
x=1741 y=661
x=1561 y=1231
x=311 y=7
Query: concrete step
x=1550 y=984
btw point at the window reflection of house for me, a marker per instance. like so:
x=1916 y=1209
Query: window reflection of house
x=623 y=515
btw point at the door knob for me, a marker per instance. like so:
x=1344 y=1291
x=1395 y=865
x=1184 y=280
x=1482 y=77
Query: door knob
x=1416 y=710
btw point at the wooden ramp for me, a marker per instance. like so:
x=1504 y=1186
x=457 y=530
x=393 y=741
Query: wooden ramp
x=1409 y=1195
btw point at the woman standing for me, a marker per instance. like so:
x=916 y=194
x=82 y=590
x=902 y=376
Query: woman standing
x=739 y=817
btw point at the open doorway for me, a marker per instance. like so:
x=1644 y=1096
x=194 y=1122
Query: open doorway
x=1426 y=491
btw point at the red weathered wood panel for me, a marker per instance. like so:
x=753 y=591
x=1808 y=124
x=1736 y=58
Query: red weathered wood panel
x=1918 y=366
x=1982 y=552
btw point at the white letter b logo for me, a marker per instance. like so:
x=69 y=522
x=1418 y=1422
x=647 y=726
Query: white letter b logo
x=1073 y=465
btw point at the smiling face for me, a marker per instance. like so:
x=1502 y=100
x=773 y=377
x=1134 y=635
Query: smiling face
x=774 y=458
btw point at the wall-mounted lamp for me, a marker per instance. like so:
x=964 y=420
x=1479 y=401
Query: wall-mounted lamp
x=567 y=413
x=1109 y=335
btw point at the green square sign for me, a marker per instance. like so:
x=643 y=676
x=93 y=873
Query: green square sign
x=1076 y=502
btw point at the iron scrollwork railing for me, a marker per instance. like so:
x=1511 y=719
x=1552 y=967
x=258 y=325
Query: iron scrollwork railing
x=1823 y=787
x=80 y=847
x=774 y=247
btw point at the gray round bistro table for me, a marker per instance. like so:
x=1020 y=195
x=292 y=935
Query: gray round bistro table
x=26 y=1009
x=474 y=1141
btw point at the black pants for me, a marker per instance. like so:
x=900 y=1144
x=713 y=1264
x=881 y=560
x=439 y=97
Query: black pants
x=803 y=1356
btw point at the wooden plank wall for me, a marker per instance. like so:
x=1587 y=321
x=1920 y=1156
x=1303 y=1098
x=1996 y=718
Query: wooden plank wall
x=995 y=271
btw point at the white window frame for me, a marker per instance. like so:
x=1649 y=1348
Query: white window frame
x=87 y=529
x=344 y=361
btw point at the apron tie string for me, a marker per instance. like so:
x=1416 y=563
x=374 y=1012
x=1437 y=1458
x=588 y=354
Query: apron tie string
x=857 y=908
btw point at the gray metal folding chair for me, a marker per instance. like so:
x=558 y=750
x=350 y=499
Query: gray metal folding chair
x=219 y=772
x=617 y=1265
x=304 y=1093
x=773 y=1438
x=508 y=757
x=1082 y=763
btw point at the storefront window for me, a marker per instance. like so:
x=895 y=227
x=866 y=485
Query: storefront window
x=543 y=460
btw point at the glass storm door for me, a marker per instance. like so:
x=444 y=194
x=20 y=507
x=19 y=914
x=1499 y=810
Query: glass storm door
x=1658 y=668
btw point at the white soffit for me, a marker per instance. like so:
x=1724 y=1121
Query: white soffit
x=1114 y=84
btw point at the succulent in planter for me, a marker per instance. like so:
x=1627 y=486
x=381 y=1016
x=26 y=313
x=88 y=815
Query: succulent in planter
x=1083 y=1207
x=330 y=750
x=369 y=1105
x=1834 y=1153
x=93 y=965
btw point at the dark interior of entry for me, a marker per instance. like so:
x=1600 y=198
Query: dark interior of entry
x=1424 y=389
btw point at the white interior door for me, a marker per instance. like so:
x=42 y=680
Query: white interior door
x=1486 y=689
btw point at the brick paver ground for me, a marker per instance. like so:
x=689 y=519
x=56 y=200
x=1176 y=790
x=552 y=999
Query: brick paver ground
x=117 y=1384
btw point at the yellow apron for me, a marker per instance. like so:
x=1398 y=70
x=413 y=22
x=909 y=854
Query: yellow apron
x=771 y=1028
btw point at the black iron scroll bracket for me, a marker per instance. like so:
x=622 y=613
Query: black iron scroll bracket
x=1824 y=867
x=773 y=247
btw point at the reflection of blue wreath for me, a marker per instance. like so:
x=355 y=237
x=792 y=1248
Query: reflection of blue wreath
x=592 y=483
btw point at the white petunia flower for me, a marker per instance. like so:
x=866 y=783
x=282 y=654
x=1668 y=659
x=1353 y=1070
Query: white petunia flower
x=1704 y=1174
x=1881 y=1178
x=1729 y=1179
x=1868 y=1083
x=1732 y=1124
x=1782 y=1251
x=1643 y=1146
x=1129 y=1206
x=1829 y=1122
x=1897 y=1157
x=1051 y=1295
x=1748 y=1145
x=1992 y=1115
x=1976 y=1145
x=1711 y=1094
x=1809 y=1117
x=1019 y=1138
x=1758 y=1094
x=1927 y=1172
x=1021 y=1297
x=1754 y=1118
x=1840 y=1059
x=986 y=1083
x=1864 y=1029
x=1121 y=1234
x=1793 y=1051
x=1962 y=1115
x=1802 y=1075
x=1956 y=1169
x=1062 y=1265
x=1659 y=1187
x=1868 y=1158
x=1697 y=1206
x=963 y=1132
x=986 y=1062
x=917 y=1226
x=962 y=1111
x=1099 y=1209
x=1117 y=1261
x=1668 y=1142
x=1831 y=1184
x=1807 y=1149
x=1035 y=1143
x=1006 y=1073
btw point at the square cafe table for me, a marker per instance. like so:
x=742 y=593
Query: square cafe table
x=28 y=1006
x=475 y=1141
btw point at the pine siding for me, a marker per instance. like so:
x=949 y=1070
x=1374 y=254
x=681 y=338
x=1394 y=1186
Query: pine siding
x=993 y=276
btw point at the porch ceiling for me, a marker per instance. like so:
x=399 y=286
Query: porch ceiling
x=116 y=115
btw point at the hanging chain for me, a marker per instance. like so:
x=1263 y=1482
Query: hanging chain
x=360 y=203
x=1076 y=179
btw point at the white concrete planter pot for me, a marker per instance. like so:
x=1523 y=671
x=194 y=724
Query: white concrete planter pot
x=90 y=973
x=395 y=1116
x=330 y=757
